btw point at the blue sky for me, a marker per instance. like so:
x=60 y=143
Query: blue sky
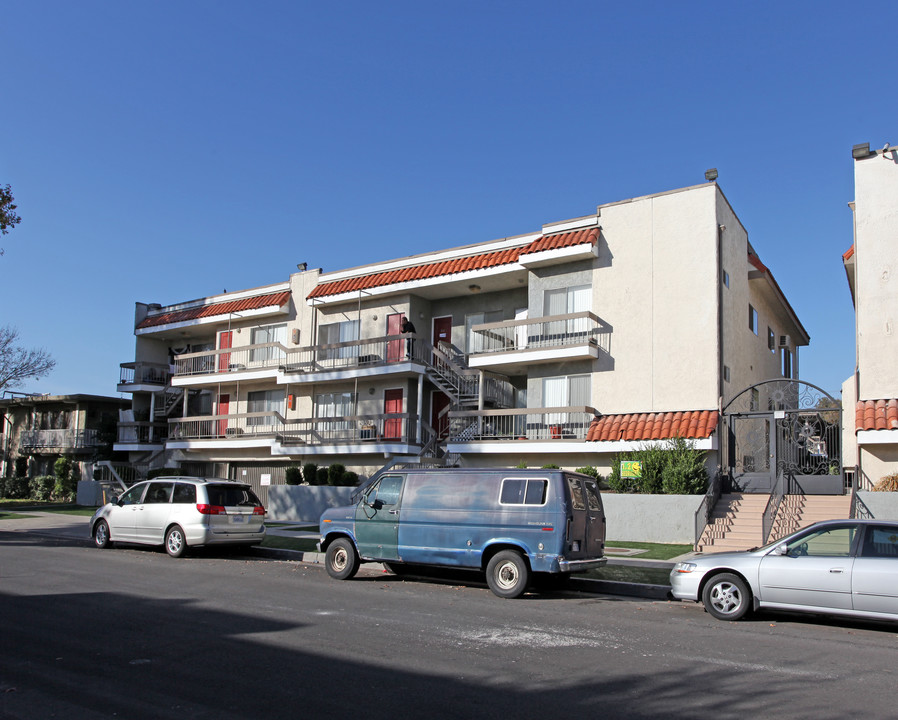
x=163 y=151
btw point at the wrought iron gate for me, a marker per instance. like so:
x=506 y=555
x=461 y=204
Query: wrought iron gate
x=784 y=430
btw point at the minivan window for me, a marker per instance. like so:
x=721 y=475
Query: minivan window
x=519 y=491
x=231 y=496
x=158 y=493
x=132 y=497
x=184 y=494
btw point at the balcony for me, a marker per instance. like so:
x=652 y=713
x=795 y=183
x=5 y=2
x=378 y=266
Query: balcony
x=520 y=424
x=59 y=440
x=553 y=338
x=250 y=362
x=366 y=430
x=355 y=358
x=236 y=426
x=141 y=433
x=143 y=376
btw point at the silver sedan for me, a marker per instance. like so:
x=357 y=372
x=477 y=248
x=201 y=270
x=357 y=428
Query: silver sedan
x=836 y=567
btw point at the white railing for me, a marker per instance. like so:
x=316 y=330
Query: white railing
x=551 y=331
x=225 y=360
x=355 y=354
x=352 y=429
x=142 y=432
x=561 y=423
x=65 y=439
x=236 y=425
x=143 y=373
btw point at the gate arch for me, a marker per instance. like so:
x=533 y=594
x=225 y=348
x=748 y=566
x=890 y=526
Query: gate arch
x=784 y=430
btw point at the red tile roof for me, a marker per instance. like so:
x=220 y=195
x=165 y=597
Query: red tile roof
x=876 y=415
x=847 y=255
x=691 y=424
x=223 y=308
x=457 y=265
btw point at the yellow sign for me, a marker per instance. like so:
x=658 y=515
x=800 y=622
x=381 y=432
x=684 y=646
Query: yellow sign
x=631 y=469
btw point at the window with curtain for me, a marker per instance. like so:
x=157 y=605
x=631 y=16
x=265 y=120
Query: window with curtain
x=565 y=391
x=268 y=334
x=334 y=405
x=564 y=301
x=264 y=401
x=334 y=333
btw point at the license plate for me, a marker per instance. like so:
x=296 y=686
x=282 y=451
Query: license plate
x=238 y=519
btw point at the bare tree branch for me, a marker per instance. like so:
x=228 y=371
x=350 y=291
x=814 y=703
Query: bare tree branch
x=18 y=364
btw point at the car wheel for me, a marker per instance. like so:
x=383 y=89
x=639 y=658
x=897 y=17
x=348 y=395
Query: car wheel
x=341 y=560
x=101 y=535
x=175 y=542
x=507 y=574
x=726 y=597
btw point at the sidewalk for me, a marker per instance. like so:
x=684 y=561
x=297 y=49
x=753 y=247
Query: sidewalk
x=75 y=527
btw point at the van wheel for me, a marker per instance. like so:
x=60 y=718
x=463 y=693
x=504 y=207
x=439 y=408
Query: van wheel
x=101 y=535
x=507 y=574
x=341 y=561
x=175 y=544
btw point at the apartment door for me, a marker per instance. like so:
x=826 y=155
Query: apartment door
x=394 y=347
x=224 y=403
x=442 y=330
x=393 y=406
x=224 y=343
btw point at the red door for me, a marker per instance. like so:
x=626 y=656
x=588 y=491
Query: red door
x=438 y=402
x=224 y=343
x=442 y=330
x=393 y=405
x=224 y=403
x=394 y=347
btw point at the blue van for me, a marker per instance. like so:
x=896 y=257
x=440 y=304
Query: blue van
x=508 y=523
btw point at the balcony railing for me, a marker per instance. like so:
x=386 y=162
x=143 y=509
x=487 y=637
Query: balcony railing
x=142 y=373
x=63 y=439
x=237 y=425
x=142 y=433
x=356 y=354
x=224 y=360
x=552 y=331
x=559 y=423
x=351 y=429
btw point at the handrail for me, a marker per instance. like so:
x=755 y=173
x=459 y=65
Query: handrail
x=706 y=508
x=777 y=493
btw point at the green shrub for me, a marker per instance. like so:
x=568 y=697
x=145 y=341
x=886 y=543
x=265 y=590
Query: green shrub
x=551 y=466
x=350 y=479
x=621 y=484
x=591 y=471
x=42 y=487
x=684 y=472
x=335 y=474
x=321 y=476
x=15 y=488
x=310 y=473
x=66 y=485
x=522 y=465
x=293 y=475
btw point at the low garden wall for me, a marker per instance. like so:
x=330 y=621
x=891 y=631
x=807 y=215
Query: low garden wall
x=882 y=505
x=304 y=503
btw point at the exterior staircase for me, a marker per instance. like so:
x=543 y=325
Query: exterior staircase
x=798 y=511
x=736 y=524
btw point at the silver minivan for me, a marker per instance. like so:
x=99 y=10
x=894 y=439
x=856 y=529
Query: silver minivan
x=181 y=512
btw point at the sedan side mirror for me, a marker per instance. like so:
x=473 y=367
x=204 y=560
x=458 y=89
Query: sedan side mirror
x=781 y=549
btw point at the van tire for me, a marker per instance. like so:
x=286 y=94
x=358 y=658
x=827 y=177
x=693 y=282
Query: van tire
x=507 y=574
x=175 y=542
x=101 y=535
x=341 y=559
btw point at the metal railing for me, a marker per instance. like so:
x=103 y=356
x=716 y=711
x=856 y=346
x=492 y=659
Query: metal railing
x=368 y=352
x=706 y=508
x=143 y=433
x=351 y=429
x=144 y=373
x=226 y=360
x=204 y=427
x=63 y=439
x=551 y=331
x=780 y=490
x=560 y=423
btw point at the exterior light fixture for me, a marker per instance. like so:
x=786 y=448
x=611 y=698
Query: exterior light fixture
x=711 y=175
x=860 y=151
x=474 y=288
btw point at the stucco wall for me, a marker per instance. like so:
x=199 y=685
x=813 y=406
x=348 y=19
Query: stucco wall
x=304 y=503
x=882 y=505
x=651 y=518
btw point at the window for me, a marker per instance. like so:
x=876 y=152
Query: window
x=264 y=401
x=132 y=496
x=564 y=301
x=726 y=278
x=566 y=390
x=881 y=541
x=831 y=542
x=387 y=491
x=771 y=340
x=334 y=405
x=726 y=373
x=752 y=319
x=184 y=494
x=334 y=333
x=264 y=335
x=787 y=363
x=159 y=493
x=520 y=491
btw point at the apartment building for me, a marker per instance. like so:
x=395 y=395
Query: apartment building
x=565 y=345
x=870 y=435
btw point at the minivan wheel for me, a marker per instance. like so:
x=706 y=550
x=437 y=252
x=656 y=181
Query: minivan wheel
x=507 y=574
x=726 y=597
x=175 y=544
x=101 y=535
x=341 y=560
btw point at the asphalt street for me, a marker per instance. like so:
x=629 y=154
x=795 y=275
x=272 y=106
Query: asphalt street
x=133 y=633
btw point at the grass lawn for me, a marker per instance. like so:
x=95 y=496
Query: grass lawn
x=288 y=543
x=33 y=506
x=14 y=516
x=630 y=573
x=653 y=551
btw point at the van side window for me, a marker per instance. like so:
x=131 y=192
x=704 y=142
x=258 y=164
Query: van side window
x=184 y=494
x=518 y=491
x=388 y=489
x=576 y=494
x=592 y=495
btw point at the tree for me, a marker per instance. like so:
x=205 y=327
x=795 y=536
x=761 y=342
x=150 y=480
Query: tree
x=8 y=217
x=18 y=364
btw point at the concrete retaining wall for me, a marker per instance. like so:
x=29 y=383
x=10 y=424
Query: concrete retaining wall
x=651 y=518
x=882 y=505
x=304 y=503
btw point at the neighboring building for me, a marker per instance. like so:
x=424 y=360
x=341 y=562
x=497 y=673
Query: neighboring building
x=871 y=432
x=565 y=346
x=36 y=430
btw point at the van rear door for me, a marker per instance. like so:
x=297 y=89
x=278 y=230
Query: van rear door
x=377 y=519
x=586 y=522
